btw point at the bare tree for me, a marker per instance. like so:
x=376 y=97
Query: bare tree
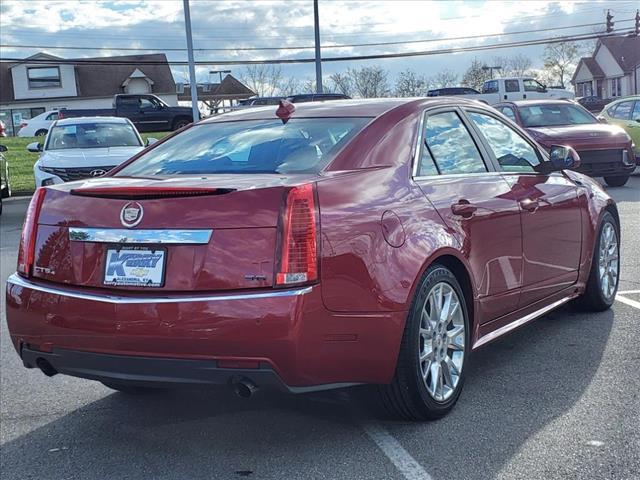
x=520 y=65
x=445 y=78
x=265 y=80
x=560 y=59
x=341 y=83
x=475 y=75
x=410 y=84
x=370 y=82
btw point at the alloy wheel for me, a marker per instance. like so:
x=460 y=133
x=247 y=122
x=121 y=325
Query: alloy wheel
x=608 y=260
x=442 y=341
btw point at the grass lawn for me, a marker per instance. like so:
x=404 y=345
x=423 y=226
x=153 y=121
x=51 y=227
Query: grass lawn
x=21 y=162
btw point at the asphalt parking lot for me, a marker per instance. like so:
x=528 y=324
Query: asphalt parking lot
x=559 y=398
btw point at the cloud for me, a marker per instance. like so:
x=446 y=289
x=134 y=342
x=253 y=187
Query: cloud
x=233 y=24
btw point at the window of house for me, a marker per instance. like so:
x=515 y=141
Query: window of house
x=585 y=89
x=511 y=85
x=451 y=145
x=513 y=152
x=43 y=77
x=616 y=87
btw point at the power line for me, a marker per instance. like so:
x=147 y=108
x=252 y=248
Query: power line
x=476 y=48
x=310 y=47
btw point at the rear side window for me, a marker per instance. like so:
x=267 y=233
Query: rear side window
x=513 y=152
x=621 y=111
x=511 y=86
x=257 y=146
x=451 y=145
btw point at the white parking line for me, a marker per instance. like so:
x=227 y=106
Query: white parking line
x=403 y=461
x=628 y=301
x=625 y=292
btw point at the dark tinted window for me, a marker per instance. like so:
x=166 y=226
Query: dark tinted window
x=513 y=152
x=256 y=146
x=622 y=110
x=451 y=145
x=511 y=86
x=490 y=87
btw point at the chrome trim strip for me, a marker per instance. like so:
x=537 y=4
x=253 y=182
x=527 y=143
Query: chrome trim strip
x=123 y=235
x=18 y=281
x=521 y=321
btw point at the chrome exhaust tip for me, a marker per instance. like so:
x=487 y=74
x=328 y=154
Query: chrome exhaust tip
x=244 y=388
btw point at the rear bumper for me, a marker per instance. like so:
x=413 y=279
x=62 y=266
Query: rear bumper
x=180 y=339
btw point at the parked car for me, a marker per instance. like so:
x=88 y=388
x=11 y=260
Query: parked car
x=79 y=148
x=147 y=112
x=501 y=89
x=625 y=113
x=439 y=92
x=39 y=125
x=605 y=150
x=238 y=252
x=306 y=97
x=5 y=180
x=593 y=104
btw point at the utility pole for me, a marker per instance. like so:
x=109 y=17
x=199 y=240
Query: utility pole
x=316 y=26
x=193 y=84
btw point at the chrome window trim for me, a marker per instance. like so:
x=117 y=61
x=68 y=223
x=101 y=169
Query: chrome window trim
x=123 y=235
x=457 y=175
x=18 y=281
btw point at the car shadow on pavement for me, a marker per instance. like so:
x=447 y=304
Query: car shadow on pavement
x=515 y=387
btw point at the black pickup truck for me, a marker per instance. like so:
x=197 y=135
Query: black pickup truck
x=147 y=112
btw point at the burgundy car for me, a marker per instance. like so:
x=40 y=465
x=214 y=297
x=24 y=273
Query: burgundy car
x=604 y=150
x=312 y=247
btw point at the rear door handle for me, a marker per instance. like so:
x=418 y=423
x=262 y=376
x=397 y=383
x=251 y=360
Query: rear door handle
x=463 y=208
x=529 y=205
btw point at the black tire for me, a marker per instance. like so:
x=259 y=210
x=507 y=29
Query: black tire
x=593 y=299
x=407 y=397
x=41 y=133
x=131 y=389
x=617 y=181
x=178 y=123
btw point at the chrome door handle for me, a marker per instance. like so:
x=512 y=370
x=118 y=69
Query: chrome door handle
x=463 y=208
x=529 y=205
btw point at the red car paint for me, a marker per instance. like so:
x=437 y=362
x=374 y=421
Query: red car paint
x=599 y=145
x=379 y=229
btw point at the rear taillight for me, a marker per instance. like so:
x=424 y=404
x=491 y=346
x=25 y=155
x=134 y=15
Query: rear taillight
x=299 y=238
x=26 y=252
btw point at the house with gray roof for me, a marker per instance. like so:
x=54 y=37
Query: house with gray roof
x=45 y=82
x=612 y=71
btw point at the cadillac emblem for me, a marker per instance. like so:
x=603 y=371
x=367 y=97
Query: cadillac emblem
x=131 y=214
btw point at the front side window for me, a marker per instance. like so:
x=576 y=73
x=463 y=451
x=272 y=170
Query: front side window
x=621 y=111
x=147 y=104
x=92 y=135
x=554 y=114
x=52 y=116
x=302 y=145
x=513 y=152
x=511 y=86
x=636 y=112
x=43 y=77
x=451 y=145
x=531 y=85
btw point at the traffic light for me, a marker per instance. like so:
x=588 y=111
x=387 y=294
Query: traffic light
x=610 y=22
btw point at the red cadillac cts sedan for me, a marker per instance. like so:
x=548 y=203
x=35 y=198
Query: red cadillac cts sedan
x=312 y=247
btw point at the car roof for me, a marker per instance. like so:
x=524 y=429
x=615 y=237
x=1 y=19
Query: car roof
x=369 y=107
x=530 y=103
x=81 y=120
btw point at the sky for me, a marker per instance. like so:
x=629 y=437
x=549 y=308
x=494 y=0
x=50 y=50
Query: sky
x=156 y=25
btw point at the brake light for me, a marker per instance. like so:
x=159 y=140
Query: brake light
x=26 y=252
x=299 y=238
x=146 y=192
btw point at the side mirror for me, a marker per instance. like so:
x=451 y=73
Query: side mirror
x=562 y=157
x=34 y=147
x=3 y=148
x=151 y=141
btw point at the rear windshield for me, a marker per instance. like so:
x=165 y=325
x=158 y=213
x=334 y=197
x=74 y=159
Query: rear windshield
x=554 y=115
x=258 y=146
